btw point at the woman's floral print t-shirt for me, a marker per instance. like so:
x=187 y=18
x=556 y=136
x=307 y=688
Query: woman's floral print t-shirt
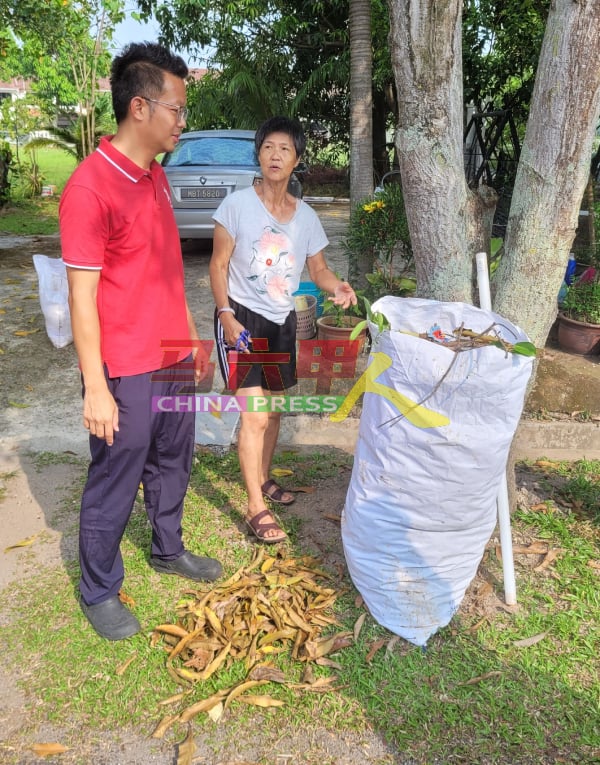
x=268 y=256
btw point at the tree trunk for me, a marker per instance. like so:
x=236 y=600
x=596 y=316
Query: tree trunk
x=5 y=159
x=381 y=156
x=591 y=216
x=361 y=121
x=361 y=101
x=553 y=169
x=445 y=218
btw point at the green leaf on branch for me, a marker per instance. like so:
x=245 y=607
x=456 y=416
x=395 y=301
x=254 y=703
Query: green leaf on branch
x=525 y=349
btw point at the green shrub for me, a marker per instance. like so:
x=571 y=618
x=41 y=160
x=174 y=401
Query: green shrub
x=378 y=235
x=582 y=302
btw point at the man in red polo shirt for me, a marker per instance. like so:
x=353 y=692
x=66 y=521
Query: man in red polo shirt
x=126 y=294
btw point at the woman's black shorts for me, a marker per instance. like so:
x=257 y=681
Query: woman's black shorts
x=271 y=364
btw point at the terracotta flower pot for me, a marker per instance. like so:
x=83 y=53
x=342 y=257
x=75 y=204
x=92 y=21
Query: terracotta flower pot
x=578 y=336
x=327 y=330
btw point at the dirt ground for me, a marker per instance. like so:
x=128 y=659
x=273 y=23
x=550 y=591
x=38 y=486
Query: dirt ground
x=40 y=412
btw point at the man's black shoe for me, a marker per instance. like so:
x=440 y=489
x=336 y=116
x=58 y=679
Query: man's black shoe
x=189 y=566
x=111 y=619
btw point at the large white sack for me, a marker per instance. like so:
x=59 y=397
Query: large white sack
x=421 y=503
x=54 y=299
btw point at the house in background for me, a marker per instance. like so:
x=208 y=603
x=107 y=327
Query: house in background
x=16 y=88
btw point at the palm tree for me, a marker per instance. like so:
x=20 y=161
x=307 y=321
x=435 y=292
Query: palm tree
x=72 y=139
x=361 y=115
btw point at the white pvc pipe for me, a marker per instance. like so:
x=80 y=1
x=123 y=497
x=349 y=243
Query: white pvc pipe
x=508 y=566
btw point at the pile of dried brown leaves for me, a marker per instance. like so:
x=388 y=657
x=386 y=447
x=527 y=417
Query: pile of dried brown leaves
x=269 y=607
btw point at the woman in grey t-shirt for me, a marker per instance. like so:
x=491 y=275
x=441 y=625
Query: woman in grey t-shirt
x=263 y=238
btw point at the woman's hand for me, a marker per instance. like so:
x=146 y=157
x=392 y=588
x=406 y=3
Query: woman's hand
x=232 y=329
x=344 y=295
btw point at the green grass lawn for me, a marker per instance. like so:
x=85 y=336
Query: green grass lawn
x=56 y=166
x=514 y=686
x=38 y=215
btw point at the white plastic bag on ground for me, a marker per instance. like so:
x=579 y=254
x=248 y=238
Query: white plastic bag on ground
x=54 y=299
x=421 y=504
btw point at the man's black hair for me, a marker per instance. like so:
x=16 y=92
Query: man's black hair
x=281 y=125
x=139 y=71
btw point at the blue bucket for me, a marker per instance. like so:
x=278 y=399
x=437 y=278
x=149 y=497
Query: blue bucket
x=310 y=288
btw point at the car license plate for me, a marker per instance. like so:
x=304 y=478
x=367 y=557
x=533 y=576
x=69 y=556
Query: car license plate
x=203 y=192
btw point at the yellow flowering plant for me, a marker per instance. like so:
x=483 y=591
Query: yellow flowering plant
x=378 y=237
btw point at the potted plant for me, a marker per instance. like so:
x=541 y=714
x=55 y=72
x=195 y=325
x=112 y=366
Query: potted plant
x=337 y=323
x=579 y=319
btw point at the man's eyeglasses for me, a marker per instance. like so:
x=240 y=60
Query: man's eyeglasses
x=181 y=111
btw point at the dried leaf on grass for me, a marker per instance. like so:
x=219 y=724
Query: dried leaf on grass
x=173 y=699
x=526 y=642
x=262 y=701
x=281 y=472
x=126 y=599
x=315 y=649
x=358 y=624
x=551 y=556
x=319 y=684
x=215 y=713
x=374 y=648
x=547 y=464
x=186 y=750
x=48 y=750
x=202 y=706
x=122 y=668
x=477 y=625
x=171 y=629
x=541 y=507
x=484 y=590
x=267 y=672
x=271 y=606
x=480 y=678
x=241 y=688
x=164 y=725
x=23 y=543
x=535 y=548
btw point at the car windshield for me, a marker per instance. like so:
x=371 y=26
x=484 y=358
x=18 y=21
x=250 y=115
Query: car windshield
x=212 y=151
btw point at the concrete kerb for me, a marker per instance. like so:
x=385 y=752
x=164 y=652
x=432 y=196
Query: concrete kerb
x=554 y=440
x=533 y=440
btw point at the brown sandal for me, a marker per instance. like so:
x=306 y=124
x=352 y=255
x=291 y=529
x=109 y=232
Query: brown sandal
x=259 y=529
x=277 y=493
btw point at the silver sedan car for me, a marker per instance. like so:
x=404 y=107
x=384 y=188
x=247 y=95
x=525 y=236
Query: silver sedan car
x=206 y=166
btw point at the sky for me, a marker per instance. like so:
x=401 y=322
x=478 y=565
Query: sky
x=131 y=30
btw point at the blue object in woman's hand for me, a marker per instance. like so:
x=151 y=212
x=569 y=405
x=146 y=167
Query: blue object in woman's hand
x=243 y=341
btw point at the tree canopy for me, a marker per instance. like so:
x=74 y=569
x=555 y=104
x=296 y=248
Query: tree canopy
x=61 y=45
x=294 y=57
